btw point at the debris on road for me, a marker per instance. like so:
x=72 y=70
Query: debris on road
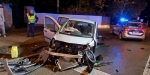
x=108 y=46
x=24 y=65
x=53 y=68
x=104 y=39
x=97 y=64
x=142 y=48
x=117 y=70
x=100 y=57
x=128 y=49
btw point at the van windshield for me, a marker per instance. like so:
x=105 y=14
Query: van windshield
x=78 y=28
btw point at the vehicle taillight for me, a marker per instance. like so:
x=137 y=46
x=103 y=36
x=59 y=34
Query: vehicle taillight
x=126 y=29
x=140 y=26
x=143 y=30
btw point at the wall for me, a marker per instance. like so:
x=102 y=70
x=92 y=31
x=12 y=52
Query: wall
x=105 y=22
x=98 y=19
x=7 y=12
x=8 y=15
x=42 y=15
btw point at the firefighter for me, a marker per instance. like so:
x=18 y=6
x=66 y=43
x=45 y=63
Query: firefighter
x=31 y=19
x=2 y=25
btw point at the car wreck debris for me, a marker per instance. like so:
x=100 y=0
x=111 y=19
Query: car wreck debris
x=22 y=66
x=97 y=64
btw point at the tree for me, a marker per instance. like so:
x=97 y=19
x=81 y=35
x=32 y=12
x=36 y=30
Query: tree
x=91 y=7
x=81 y=7
x=131 y=8
x=122 y=4
x=5 y=1
x=99 y=5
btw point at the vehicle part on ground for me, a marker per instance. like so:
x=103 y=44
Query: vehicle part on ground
x=66 y=63
x=98 y=64
x=64 y=55
x=25 y=66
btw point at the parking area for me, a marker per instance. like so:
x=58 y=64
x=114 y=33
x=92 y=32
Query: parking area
x=127 y=57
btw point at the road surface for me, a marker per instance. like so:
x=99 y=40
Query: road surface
x=128 y=57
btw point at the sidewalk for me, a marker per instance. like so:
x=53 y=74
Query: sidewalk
x=18 y=38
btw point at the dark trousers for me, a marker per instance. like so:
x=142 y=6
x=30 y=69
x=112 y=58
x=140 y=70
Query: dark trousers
x=30 y=29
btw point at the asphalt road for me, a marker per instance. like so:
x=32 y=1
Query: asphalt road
x=128 y=57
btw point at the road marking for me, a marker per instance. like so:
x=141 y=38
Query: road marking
x=147 y=70
x=94 y=72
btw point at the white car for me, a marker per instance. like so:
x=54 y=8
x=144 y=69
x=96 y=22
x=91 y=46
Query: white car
x=72 y=38
x=130 y=29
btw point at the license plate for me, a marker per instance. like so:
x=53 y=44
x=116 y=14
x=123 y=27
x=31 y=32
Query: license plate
x=136 y=33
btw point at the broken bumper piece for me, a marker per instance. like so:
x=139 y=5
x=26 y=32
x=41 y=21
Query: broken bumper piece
x=64 y=55
x=24 y=66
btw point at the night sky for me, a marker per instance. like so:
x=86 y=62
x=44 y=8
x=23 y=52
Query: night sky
x=146 y=12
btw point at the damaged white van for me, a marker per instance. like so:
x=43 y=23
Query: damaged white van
x=74 y=40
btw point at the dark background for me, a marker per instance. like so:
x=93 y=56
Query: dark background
x=44 y=6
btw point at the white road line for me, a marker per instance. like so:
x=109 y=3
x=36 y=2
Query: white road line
x=94 y=72
x=147 y=70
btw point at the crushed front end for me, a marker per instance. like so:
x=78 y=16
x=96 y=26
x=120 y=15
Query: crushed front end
x=76 y=54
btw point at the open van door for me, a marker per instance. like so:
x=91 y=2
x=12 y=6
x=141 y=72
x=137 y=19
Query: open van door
x=51 y=26
x=62 y=19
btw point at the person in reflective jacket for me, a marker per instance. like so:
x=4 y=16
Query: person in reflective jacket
x=31 y=19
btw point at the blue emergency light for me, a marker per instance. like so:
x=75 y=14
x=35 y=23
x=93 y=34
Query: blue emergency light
x=123 y=20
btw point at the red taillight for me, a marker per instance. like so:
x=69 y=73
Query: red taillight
x=126 y=29
x=143 y=30
x=140 y=26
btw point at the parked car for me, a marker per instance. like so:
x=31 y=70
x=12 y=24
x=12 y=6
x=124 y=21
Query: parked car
x=134 y=30
x=73 y=38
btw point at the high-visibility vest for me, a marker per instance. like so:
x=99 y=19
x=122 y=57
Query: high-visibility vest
x=32 y=18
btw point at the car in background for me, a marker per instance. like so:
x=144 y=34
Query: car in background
x=130 y=29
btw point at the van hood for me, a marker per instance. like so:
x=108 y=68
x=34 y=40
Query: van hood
x=72 y=39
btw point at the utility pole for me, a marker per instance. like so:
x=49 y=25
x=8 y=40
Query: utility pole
x=57 y=6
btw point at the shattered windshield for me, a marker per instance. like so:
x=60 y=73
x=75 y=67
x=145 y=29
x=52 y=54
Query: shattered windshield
x=78 y=28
